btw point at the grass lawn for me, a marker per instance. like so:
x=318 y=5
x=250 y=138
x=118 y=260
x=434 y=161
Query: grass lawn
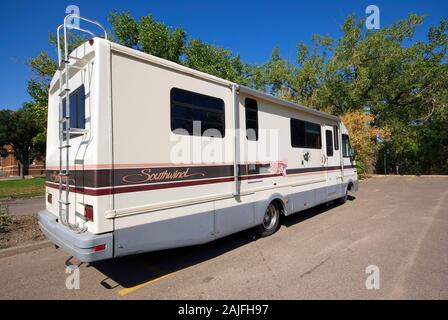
x=26 y=188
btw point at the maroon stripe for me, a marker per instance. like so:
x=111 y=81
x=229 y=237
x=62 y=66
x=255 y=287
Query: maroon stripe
x=260 y=176
x=108 y=191
x=187 y=183
x=171 y=185
x=89 y=192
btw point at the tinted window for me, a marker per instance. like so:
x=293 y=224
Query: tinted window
x=298 y=133
x=345 y=146
x=329 y=141
x=305 y=134
x=194 y=114
x=251 y=119
x=336 y=137
x=77 y=109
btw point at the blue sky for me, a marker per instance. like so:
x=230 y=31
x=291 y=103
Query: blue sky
x=251 y=28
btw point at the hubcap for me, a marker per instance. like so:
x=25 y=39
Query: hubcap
x=270 y=217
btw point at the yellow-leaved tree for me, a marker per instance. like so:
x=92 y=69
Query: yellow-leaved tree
x=363 y=133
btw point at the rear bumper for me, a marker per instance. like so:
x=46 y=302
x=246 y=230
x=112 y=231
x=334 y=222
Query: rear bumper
x=79 y=245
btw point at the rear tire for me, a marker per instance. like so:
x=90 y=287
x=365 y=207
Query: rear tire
x=271 y=221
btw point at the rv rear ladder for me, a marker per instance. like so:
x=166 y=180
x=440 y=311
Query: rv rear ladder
x=65 y=131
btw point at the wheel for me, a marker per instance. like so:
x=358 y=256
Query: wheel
x=344 y=198
x=270 y=220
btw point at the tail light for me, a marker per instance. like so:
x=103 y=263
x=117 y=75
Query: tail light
x=88 y=212
x=100 y=247
x=50 y=198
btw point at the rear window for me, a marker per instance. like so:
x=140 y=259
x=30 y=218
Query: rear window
x=77 y=109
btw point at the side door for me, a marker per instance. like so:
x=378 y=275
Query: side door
x=332 y=161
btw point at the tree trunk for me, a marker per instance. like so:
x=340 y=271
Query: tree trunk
x=23 y=160
x=22 y=176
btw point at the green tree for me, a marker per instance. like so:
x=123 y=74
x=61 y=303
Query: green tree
x=19 y=129
x=155 y=38
x=387 y=74
x=148 y=35
x=43 y=68
x=216 y=61
x=397 y=82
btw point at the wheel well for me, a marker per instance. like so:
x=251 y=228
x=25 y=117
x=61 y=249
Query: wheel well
x=280 y=205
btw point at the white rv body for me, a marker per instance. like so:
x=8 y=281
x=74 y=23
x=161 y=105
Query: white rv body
x=122 y=165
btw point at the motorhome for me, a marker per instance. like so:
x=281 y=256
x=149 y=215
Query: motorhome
x=144 y=154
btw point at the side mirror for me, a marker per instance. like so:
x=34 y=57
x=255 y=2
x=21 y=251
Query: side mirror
x=352 y=153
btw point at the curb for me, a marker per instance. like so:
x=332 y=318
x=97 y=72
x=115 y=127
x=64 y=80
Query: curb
x=19 y=200
x=23 y=249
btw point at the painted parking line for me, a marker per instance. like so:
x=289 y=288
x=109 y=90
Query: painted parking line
x=126 y=291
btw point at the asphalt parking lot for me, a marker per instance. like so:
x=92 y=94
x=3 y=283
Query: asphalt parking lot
x=399 y=224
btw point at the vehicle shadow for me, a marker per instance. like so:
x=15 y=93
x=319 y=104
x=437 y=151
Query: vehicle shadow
x=137 y=269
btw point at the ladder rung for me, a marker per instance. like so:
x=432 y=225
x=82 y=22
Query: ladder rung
x=62 y=65
x=63 y=202
x=64 y=92
x=76 y=130
x=64 y=119
x=80 y=215
x=79 y=64
x=77 y=59
x=81 y=61
x=64 y=174
x=65 y=146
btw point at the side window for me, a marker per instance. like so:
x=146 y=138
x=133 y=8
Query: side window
x=329 y=142
x=196 y=114
x=313 y=135
x=251 y=119
x=77 y=109
x=305 y=134
x=345 y=146
x=336 y=137
x=297 y=133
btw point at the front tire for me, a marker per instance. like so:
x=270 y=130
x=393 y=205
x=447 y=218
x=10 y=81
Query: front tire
x=344 y=198
x=271 y=221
